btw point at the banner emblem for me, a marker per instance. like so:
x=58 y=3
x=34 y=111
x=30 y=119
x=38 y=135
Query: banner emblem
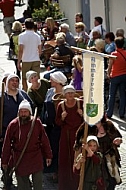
x=91 y=110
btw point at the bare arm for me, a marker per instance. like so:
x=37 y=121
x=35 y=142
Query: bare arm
x=20 y=53
x=40 y=49
x=110 y=67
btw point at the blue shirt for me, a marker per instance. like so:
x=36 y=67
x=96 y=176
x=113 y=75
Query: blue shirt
x=110 y=47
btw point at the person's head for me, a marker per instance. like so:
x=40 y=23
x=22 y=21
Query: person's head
x=100 y=45
x=50 y=22
x=98 y=20
x=96 y=34
x=92 y=142
x=17 y=27
x=79 y=26
x=24 y=112
x=77 y=60
x=109 y=37
x=69 y=92
x=35 y=26
x=119 y=41
x=32 y=76
x=29 y=24
x=60 y=38
x=78 y=17
x=12 y=83
x=26 y=14
x=120 y=32
x=64 y=27
x=58 y=78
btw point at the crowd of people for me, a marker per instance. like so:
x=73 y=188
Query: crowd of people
x=53 y=137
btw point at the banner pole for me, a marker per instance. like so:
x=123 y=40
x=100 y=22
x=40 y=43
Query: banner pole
x=81 y=182
x=80 y=50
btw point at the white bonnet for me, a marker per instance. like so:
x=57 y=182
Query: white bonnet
x=92 y=137
x=68 y=88
x=58 y=77
x=29 y=74
x=8 y=78
x=25 y=105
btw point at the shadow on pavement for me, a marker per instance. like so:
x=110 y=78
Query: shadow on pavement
x=121 y=123
x=6 y=44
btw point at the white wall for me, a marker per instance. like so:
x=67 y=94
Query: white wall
x=117 y=15
x=97 y=9
x=117 y=12
x=70 y=8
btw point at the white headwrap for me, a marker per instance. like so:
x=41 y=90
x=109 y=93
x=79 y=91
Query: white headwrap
x=92 y=137
x=25 y=105
x=58 y=77
x=8 y=78
x=68 y=88
x=29 y=74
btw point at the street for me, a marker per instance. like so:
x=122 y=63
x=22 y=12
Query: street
x=8 y=66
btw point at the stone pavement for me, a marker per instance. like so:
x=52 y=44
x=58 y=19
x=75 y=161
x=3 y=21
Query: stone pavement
x=8 y=66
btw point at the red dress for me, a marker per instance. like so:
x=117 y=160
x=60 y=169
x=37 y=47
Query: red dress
x=67 y=179
x=38 y=147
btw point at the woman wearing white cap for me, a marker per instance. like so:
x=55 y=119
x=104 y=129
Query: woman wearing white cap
x=58 y=80
x=38 y=89
x=68 y=118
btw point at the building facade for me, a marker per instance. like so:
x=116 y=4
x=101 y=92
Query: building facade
x=113 y=12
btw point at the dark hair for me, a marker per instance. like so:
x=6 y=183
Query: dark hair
x=35 y=26
x=99 y=19
x=80 y=15
x=29 y=23
x=110 y=35
x=119 y=41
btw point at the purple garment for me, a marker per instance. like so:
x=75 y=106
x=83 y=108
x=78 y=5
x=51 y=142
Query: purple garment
x=77 y=80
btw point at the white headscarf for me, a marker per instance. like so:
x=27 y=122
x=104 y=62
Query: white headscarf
x=58 y=77
x=25 y=105
x=8 y=78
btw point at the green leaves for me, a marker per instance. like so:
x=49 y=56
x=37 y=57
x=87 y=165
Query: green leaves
x=50 y=10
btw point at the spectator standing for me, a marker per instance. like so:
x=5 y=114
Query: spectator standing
x=81 y=36
x=110 y=44
x=61 y=49
x=95 y=35
x=98 y=26
x=39 y=33
x=69 y=36
x=30 y=49
x=77 y=78
x=13 y=50
x=117 y=75
x=7 y=7
x=38 y=147
x=50 y=29
x=66 y=111
x=78 y=17
x=120 y=33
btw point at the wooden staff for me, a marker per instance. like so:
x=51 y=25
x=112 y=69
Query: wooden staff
x=81 y=182
x=1 y=107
